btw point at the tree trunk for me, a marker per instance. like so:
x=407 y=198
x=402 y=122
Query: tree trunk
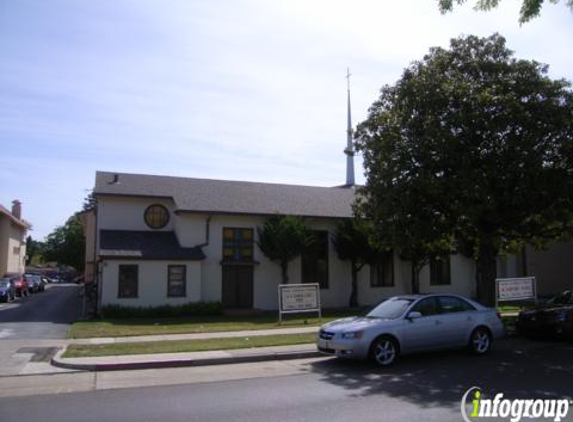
x=353 y=303
x=284 y=272
x=487 y=271
x=415 y=278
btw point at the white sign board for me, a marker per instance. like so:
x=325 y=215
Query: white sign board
x=299 y=298
x=509 y=289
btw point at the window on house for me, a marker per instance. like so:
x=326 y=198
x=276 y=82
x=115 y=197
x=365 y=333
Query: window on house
x=440 y=271
x=176 y=281
x=315 y=260
x=16 y=250
x=382 y=272
x=156 y=216
x=238 y=244
x=128 y=280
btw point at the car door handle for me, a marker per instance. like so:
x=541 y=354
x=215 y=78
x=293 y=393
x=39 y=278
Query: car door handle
x=438 y=322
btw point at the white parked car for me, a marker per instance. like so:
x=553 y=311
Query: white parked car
x=412 y=323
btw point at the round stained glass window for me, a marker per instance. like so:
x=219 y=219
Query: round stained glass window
x=156 y=216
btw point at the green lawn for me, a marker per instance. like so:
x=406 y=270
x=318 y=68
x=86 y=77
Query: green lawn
x=153 y=326
x=80 y=350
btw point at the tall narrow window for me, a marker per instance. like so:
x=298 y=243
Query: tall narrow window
x=238 y=244
x=176 y=281
x=440 y=271
x=128 y=280
x=315 y=261
x=382 y=272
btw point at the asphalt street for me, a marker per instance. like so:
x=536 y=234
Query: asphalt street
x=32 y=327
x=427 y=387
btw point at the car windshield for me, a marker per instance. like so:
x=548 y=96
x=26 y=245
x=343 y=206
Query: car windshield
x=4 y=283
x=391 y=308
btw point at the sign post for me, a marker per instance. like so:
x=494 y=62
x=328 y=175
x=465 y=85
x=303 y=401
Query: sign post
x=512 y=289
x=296 y=298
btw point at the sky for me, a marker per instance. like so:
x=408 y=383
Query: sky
x=238 y=90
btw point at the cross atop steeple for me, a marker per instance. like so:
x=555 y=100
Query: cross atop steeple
x=349 y=150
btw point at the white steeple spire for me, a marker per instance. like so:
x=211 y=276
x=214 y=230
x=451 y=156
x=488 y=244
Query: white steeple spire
x=349 y=150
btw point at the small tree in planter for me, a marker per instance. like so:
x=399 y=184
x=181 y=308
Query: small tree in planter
x=282 y=239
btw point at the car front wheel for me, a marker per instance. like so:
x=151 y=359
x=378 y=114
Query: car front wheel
x=384 y=351
x=480 y=341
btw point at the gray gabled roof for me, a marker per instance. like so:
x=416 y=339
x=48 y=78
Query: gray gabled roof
x=123 y=244
x=223 y=196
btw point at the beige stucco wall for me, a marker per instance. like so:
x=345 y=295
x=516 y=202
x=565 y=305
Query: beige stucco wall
x=12 y=247
x=4 y=236
x=88 y=224
x=152 y=283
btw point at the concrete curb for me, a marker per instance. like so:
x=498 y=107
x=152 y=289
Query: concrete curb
x=158 y=363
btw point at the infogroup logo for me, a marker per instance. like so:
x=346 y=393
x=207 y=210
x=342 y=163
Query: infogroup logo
x=513 y=409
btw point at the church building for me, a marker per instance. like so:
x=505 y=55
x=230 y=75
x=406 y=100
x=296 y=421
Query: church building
x=163 y=240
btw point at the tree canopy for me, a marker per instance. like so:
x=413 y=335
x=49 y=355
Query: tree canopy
x=529 y=8
x=66 y=244
x=282 y=239
x=471 y=149
x=34 y=250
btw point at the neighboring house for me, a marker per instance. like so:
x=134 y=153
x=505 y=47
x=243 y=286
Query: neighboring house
x=13 y=231
x=87 y=221
x=171 y=240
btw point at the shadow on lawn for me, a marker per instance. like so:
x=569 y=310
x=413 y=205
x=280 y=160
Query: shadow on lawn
x=519 y=368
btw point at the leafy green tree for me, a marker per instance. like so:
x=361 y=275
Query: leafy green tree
x=33 y=250
x=282 y=239
x=66 y=244
x=352 y=243
x=401 y=220
x=529 y=8
x=476 y=146
x=89 y=202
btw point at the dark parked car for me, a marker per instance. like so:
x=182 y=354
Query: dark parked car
x=552 y=319
x=35 y=283
x=7 y=290
x=20 y=283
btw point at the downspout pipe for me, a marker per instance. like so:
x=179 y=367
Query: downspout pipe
x=207 y=232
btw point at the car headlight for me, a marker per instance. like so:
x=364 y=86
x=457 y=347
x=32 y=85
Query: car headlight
x=562 y=316
x=352 y=335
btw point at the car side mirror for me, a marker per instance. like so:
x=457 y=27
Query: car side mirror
x=414 y=315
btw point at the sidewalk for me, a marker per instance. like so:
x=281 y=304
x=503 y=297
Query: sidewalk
x=194 y=336
x=170 y=360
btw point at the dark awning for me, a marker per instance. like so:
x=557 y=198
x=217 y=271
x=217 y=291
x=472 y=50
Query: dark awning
x=155 y=245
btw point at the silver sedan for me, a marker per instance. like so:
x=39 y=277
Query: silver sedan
x=412 y=323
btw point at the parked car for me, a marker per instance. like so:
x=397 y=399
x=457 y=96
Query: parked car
x=35 y=283
x=20 y=283
x=552 y=319
x=33 y=286
x=412 y=323
x=7 y=290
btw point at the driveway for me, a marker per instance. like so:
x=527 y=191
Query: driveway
x=33 y=327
